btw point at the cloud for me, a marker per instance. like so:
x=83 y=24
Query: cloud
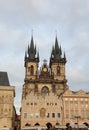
x=31 y=12
x=71 y=21
x=77 y=79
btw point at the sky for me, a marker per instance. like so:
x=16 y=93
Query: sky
x=69 y=19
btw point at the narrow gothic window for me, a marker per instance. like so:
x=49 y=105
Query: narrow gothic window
x=58 y=70
x=32 y=70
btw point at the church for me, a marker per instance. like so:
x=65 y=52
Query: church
x=46 y=97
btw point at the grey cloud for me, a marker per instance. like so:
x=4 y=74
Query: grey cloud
x=42 y=11
x=71 y=20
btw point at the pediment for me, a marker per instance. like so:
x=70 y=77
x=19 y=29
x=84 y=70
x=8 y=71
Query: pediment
x=69 y=92
x=81 y=92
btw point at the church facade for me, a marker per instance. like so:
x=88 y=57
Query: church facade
x=46 y=98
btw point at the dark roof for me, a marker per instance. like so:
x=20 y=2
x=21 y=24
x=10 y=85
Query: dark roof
x=4 y=81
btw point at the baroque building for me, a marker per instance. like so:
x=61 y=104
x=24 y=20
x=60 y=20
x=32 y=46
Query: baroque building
x=7 y=109
x=76 y=107
x=46 y=98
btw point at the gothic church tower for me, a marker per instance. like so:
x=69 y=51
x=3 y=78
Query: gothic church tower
x=31 y=62
x=57 y=65
x=43 y=88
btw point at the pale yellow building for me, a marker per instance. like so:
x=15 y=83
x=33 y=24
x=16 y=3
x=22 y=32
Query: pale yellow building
x=7 y=93
x=75 y=107
x=46 y=98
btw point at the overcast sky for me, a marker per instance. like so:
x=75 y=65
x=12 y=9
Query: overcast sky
x=69 y=18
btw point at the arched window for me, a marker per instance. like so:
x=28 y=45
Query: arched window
x=42 y=112
x=27 y=124
x=32 y=70
x=37 y=124
x=45 y=90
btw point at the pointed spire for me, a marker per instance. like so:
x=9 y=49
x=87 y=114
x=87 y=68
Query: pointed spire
x=32 y=43
x=32 y=52
x=60 y=50
x=56 y=44
x=52 y=53
x=28 y=49
x=25 y=57
x=64 y=56
x=38 y=56
x=31 y=49
x=35 y=49
x=57 y=54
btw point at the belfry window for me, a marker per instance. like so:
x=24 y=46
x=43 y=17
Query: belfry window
x=32 y=70
x=58 y=70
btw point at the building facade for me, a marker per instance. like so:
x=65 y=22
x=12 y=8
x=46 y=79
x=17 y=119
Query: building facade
x=7 y=94
x=46 y=98
x=76 y=107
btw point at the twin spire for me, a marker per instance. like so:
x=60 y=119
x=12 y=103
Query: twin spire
x=31 y=53
x=56 y=54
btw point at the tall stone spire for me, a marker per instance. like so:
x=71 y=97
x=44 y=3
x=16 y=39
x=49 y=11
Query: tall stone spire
x=64 y=57
x=38 y=56
x=31 y=49
x=25 y=55
x=56 y=53
x=31 y=53
x=56 y=44
x=32 y=43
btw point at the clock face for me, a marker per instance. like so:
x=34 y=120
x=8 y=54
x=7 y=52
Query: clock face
x=45 y=69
